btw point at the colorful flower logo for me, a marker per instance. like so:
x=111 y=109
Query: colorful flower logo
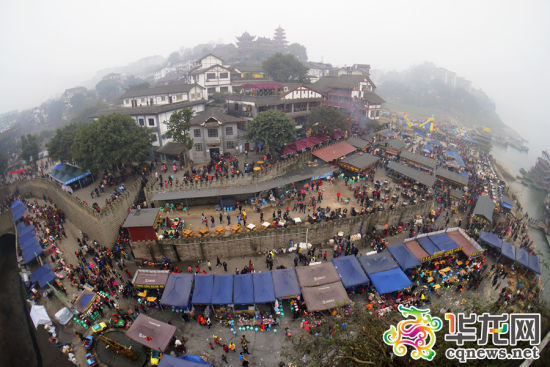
x=419 y=333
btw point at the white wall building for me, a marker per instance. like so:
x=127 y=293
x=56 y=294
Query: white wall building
x=211 y=74
x=162 y=95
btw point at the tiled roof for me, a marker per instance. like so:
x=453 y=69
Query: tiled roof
x=161 y=89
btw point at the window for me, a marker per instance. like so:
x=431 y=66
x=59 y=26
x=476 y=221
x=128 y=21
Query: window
x=241 y=126
x=141 y=122
x=151 y=122
x=163 y=98
x=224 y=89
x=210 y=76
x=143 y=100
x=212 y=133
x=229 y=130
x=198 y=147
x=224 y=75
x=230 y=144
x=211 y=90
x=155 y=137
x=197 y=133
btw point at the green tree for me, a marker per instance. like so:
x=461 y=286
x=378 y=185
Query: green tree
x=323 y=120
x=111 y=141
x=60 y=146
x=285 y=68
x=178 y=130
x=29 y=148
x=298 y=50
x=3 y=163
x=272 y=128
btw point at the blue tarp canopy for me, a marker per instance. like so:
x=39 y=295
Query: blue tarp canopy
x=428 y=245
x=534 y=264
x=403 y=256
x=350 y=271
x=43 y=275
x=390 y=281
x=522 y=257
x=509 y=250
x=68 y=174
x=419 y=133
x=427 y=148
x=30 y=248
x=490 y=239
x=25 y=237
x=25 y=230
x=21 y=226
x=506 y=202
x=243 y=289
x=17 y=210
x=263 y=288
x=186 y=361
x=222 y=291
x=378 y=262
x=177 y=290
x=285 y=283
x=458 y=159
x=202 y=293
x=444 y=242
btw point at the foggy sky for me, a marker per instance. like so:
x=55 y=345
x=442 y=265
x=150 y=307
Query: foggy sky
x=501 y=46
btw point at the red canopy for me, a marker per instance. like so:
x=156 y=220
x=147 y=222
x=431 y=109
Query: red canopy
x=334 y=151
x=22 y=170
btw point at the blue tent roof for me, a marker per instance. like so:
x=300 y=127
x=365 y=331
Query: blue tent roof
x=186 y=361
x=222 y=291
x=428 y=245
x=285 y=283
x=509 y=250
x=390 y=281
x=202 y=293
x=16 y=203
x=263 y=288
x=68 y=174
x=243 y=289
x=419 y=133
x=43 y=275
x=17 y=210
x=350 y=271
x=490 y=239
x=507 y=202
x=378 y=262
x=522 y=257
x=30 y=248
x=21 y=225
x=458 y=159
x=177 y=290
x=25 y=230
x=534 y=263
x=444 y=242
x=403 y=256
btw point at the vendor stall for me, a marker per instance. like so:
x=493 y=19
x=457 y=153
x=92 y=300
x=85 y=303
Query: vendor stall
x=30 y=248
x=491 y=239
x=169 y=361
x=403 y=256
x=222 y=296
x=313 y=275
x=445 y=243
x=202 y=293
x=151 y=333
x=243 y=294
x=263 y=288
x=417 y=250
x=389 y=281
x=43 y=275
x=84 y=301
x=508 y=250
x=534 y=263
x=18 y=210
x=350 y=272
x=177 y=291
x=377 y=262
x=285 y=283
x=358 y=162
x=145 y=278
x=325 y=297
x=469 y=246
x=428 y=246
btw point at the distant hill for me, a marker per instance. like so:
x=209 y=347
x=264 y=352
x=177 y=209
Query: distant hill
x=425 y=90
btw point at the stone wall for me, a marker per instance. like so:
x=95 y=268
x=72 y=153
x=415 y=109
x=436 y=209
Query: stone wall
x=102 y=226
x=262 y=241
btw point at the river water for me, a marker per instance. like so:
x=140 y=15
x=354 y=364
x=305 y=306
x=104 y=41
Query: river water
x=531 y=200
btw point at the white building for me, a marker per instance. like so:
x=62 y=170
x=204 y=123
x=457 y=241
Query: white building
x=317 y=70
x=211 y=74
x=162 y=95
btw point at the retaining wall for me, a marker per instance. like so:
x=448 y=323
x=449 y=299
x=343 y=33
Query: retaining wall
x=262 y=241
x=102 y=226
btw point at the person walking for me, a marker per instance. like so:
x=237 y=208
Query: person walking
x=224 y=266
x=228 y=219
